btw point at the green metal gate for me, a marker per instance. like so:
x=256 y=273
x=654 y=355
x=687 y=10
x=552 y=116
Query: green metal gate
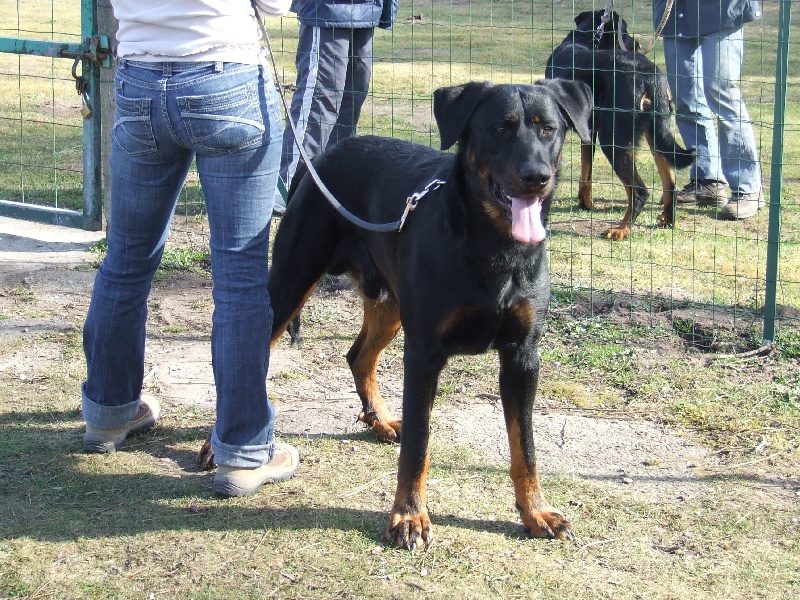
x=87 y=58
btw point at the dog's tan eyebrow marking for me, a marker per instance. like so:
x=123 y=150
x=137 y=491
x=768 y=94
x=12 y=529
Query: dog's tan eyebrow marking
x=537 y=118
x=512 y=119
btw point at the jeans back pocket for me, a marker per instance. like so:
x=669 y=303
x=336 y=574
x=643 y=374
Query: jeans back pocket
x=224 y=122
x=133 y=130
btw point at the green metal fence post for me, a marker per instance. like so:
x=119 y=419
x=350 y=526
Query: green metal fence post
x=776 y=177
x=92 y=172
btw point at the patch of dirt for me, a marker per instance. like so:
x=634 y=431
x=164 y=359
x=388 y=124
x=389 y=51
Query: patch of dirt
x=44 y=271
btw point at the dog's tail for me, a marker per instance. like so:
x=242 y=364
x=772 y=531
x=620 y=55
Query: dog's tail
x=663 y=137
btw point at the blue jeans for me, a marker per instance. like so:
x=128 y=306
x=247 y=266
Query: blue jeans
x=226 y=115
x=703 y=75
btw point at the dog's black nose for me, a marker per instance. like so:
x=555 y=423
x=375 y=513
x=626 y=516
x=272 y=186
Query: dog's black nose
x=533 y=176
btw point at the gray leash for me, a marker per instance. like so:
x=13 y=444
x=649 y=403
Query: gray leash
x=411 y=201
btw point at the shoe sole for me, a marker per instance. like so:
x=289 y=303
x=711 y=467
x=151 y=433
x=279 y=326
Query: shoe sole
x=231 y=490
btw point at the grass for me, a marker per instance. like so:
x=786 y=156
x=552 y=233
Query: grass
x=70 y=526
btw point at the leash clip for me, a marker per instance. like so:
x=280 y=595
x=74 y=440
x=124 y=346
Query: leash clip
x=413 y=200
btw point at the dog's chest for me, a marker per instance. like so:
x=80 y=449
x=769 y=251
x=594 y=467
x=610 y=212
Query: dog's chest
x=508 y=312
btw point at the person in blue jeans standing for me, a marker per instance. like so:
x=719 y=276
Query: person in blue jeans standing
x=192 y=82
x=334 y=68
x=703 y=52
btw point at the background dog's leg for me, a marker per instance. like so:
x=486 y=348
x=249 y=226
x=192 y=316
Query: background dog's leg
x=625 y=168
x=409 y=525
x=518 y=391
x=380 y=325
x=667 y=174
x=585 y=199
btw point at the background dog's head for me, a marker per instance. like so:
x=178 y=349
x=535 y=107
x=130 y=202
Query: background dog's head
x=588 y=30
x=510 y=139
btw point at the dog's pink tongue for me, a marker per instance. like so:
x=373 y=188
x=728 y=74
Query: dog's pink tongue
x=526 y=220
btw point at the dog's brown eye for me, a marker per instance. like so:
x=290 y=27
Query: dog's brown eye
x=547 y=130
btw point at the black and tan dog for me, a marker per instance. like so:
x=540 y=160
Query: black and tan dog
x=468 y=272
x=631 y=101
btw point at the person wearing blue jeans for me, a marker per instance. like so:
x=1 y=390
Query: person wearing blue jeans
x=703 y=53
x=200 y=91
x=334 y=68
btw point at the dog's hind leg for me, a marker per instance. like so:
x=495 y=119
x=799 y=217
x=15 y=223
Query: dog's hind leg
x=380 y=325
x=518 y=381
x=667 y=174
x=624 y=165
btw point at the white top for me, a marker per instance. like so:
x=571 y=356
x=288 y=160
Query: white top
x=193 y=30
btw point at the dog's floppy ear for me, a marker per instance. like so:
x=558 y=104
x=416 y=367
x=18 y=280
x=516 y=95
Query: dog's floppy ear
x=576 y=103
x=453 y=107
x=585 y=15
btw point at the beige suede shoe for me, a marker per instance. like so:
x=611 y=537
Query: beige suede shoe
x=237 y=481
x=109 y=440
x=743 y=206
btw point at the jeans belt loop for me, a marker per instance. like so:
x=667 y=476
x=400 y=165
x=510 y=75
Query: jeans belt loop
x=219 y=66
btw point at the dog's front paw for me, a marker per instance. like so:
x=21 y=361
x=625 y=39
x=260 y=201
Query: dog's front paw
x=618 y=233
x=664 y=220
x=410 y=531
x=205 y=458
x=549 y=524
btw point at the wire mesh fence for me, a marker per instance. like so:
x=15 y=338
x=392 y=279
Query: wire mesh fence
x=40 y=120
x=709 y=274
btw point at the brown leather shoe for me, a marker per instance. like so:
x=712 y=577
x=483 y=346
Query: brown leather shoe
x=703 y=192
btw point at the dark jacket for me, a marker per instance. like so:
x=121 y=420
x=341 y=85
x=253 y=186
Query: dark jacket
x=354 y=14
x=696 y=18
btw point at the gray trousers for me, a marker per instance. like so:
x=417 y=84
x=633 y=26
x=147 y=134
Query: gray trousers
x=334 y=67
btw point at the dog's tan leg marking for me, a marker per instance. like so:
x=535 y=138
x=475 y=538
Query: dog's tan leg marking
x=380 y=325
x=538 y=516
x=585 y=199
x=409 y=523
x=623 y=230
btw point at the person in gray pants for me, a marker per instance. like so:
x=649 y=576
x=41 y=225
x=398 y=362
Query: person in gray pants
x=334 y=68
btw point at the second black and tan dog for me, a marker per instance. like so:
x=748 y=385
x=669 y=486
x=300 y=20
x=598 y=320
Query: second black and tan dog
x=631 y=101
x=467 y=274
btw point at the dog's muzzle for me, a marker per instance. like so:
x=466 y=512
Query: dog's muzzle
x=525 y=215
